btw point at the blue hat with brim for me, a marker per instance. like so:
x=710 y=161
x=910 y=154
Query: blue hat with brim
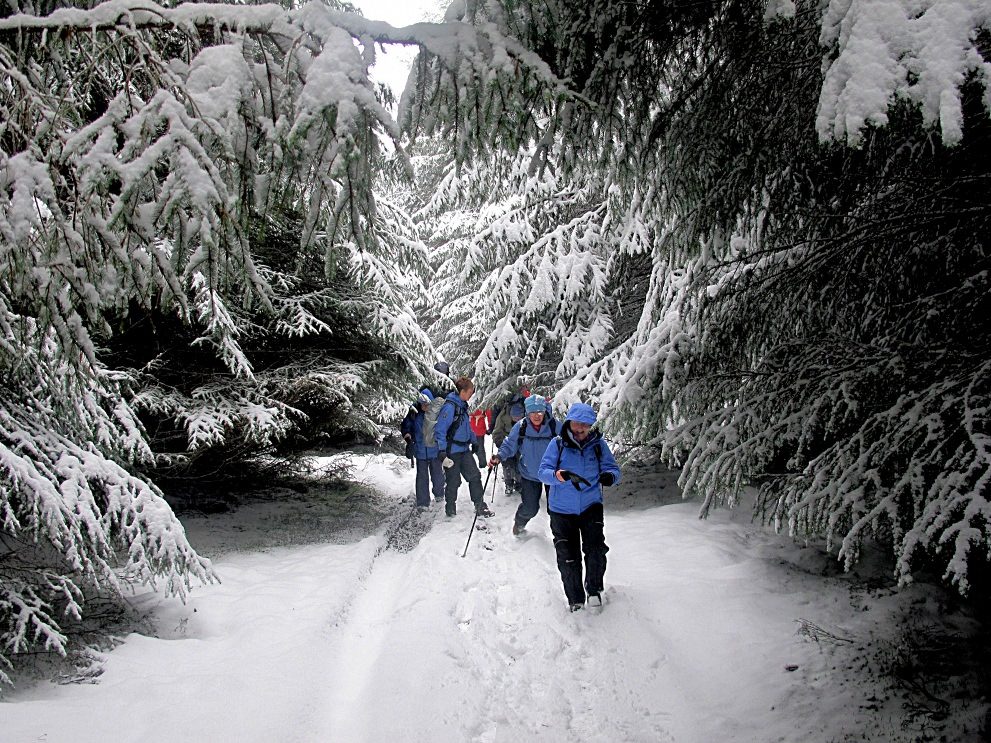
x=535 y=404
x=580 y=412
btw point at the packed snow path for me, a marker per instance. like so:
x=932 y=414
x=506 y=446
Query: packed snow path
x=345 y=643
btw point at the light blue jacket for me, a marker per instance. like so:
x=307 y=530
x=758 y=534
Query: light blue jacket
x=462 y=437
x=589 y=460
x=534 y=444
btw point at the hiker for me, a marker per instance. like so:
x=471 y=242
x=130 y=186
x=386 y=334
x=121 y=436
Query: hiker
x=506 y=416
x=480 y=420
x=528 y=440
x=576 y=465
x=458 y=447
x=428 y=466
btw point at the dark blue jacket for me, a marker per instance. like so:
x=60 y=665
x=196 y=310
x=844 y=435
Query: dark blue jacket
x=534 y=444
x=589 y=460
x=455 y=414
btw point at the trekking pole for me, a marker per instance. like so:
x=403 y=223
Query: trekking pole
x=495 y=485
x=472 y=530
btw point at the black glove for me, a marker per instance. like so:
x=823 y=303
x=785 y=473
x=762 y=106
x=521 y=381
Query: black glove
x=607 y=478
x=576 y=479
x=410 y=452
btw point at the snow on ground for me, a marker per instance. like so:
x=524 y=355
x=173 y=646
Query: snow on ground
x=712 y=631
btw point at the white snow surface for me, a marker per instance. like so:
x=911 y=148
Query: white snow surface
x=698 y=640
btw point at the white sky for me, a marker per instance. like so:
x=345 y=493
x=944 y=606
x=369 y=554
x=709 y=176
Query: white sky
x=393 y=63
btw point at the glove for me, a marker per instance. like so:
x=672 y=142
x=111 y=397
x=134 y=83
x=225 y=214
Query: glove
x=447 y=463
x=576 y=479
x=607 y=478
x=409 y=453
x=494 y=460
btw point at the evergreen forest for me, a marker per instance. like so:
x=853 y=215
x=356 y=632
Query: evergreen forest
x=753 y=233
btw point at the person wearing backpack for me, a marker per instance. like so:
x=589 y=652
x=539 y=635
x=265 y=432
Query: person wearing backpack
x=458 y=447
x=576 y=465
x=428 y=466
x=528 y=439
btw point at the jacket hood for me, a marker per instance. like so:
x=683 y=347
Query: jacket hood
x=581 y=413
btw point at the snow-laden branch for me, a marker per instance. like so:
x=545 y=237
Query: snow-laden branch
x=885 y=51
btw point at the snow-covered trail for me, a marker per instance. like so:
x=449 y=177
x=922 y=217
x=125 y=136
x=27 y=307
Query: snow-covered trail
x=438 y=648
x=350 y=643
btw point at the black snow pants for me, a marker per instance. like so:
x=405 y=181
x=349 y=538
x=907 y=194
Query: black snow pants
x=574 y=534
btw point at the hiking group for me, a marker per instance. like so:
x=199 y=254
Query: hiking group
x=567 y=461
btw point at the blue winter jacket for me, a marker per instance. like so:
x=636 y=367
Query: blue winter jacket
x=413 y=425
x=462 y=437
x=534 y=444
x=564 y=453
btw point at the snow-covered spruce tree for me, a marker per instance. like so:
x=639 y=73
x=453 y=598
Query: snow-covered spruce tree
x=154 y=163
x=519 y=286
x=815 y=322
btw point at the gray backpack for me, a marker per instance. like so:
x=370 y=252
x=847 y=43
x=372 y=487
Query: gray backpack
x=430 y=420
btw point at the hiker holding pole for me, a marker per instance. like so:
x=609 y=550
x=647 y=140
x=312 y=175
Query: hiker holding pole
x=458 y=447
x=527 y=441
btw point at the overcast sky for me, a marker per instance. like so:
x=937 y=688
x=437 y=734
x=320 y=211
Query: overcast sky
x=393 y=63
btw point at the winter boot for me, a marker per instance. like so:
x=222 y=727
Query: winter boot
x=518 y=528
x=574 y=607
x=450 y=510
x=483 y=510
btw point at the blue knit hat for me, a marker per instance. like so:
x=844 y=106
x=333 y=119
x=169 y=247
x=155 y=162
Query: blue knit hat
x=535 y=404
x=516 y=410
x=580 y=412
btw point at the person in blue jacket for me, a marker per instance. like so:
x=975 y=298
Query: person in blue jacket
x=458 y=446
x=528 y=438
x=576 y=465
x=428 y=466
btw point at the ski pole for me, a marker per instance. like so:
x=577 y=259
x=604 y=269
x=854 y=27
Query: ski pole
x=495 y=485
x=472 y=530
